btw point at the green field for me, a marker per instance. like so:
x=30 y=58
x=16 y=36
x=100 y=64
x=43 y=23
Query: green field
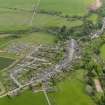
x=5 y=62
x=31 y=38
x=102 y=50
x=93 y=18
x=12 y=18
x=27 y=98
x=27 y=4
x=21 y=21
x=71 y=91
x=70 y=7
x=36 y=38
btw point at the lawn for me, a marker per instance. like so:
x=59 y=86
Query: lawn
x=102 y=50
x=5 y=62
x=71 y=91
x=26 y=98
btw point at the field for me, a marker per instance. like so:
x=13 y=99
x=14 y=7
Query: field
x=70 y=7
x=71 y=91
x=5 y=62
x=16 y=15
x=32 y=38
x=27 y=98
x=102 y=50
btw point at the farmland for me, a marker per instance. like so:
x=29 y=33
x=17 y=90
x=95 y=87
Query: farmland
x=20 y=14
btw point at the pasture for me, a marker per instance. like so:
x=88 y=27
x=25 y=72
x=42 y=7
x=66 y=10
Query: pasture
x=5 y=62
x=26 y=98
x=70 y=7
x=16 y=15
x=102 y=51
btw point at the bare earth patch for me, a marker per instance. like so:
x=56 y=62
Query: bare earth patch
x=2 y=51
x=96 y=5
x=98 y=85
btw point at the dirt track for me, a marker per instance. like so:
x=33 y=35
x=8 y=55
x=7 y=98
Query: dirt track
x=98 y=3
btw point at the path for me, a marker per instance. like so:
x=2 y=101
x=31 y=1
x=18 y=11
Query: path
x=45 y=93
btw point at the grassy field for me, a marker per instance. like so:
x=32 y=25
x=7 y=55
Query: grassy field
x=13 y=18
x=27 y=4
x=5 y=62
x=70 y=7
x=44 y=20
x=102 y=50
x=93 y=18
x=71 y=91
x=31 y=38
x=21 y=21
x=27 y=98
